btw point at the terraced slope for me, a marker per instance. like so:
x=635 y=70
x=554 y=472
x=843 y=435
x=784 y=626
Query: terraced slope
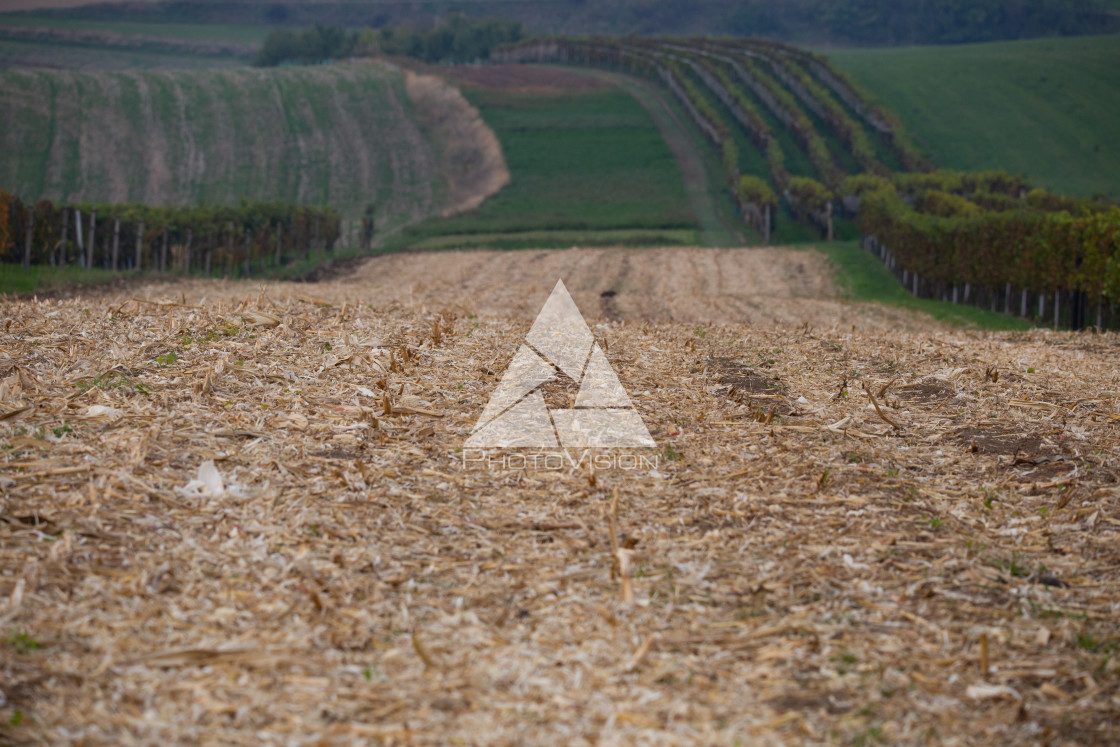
x=345 y=135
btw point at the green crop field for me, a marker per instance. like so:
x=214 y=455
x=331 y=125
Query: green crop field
x=343 y=136
x=1046 y=108
x=241 y=34
x=587 y=168
x=91 y=58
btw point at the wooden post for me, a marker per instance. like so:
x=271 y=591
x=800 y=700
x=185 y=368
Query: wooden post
x=248 y=252
x=229 y=249
x=187 y=251
x=78 y=236
x=62 y=243
x=139 y=246
x=163 y=251
x=116 y=242
x=27 y=240
x=92 y=229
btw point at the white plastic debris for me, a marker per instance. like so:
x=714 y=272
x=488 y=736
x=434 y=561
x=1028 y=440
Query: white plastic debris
x=985 y=691
x=102 y=411
x=207 y=483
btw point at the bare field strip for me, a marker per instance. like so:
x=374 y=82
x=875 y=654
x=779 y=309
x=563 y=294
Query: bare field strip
x=345 y=135
x=936 y=565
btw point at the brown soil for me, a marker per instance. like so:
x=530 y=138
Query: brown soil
x=837 y=574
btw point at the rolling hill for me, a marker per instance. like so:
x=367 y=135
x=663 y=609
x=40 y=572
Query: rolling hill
x=1046 y=108
x=345 y=135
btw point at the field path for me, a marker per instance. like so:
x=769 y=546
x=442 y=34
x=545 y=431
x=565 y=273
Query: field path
x=716 y=228
x=239 y=513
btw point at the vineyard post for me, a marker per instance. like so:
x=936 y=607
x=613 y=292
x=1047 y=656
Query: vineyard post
x=62 y=242
x=92 y=230
x=248 y=252
x=27 y=240
x=187 y=251
x=229 y=249
x=78 y=234
x=116 y=242
x=139 y=245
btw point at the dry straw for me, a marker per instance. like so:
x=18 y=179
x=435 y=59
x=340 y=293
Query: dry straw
x=238 y=515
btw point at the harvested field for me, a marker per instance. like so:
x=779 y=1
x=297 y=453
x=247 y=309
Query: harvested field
x=239 y=514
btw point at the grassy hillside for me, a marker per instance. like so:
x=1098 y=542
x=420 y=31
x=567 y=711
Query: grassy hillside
x=1047 y=108
x=588 y=166
x=242 y=34
x=342 y=135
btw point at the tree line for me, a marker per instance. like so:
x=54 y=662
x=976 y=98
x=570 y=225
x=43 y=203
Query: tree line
x=863 y=22
x=458 y=39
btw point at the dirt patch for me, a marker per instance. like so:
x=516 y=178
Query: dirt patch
x=996 y=440
x=526 y=79
x=925 y=393
x=471 y=156
x=833 y=703
x=333 y=270
x=735 y=374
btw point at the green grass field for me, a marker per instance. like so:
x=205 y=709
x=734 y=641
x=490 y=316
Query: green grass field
x=102 y=58
x=862 y=277
x=239 y=34
x=1046 y=108
x=587 y=168
x=43 y=277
